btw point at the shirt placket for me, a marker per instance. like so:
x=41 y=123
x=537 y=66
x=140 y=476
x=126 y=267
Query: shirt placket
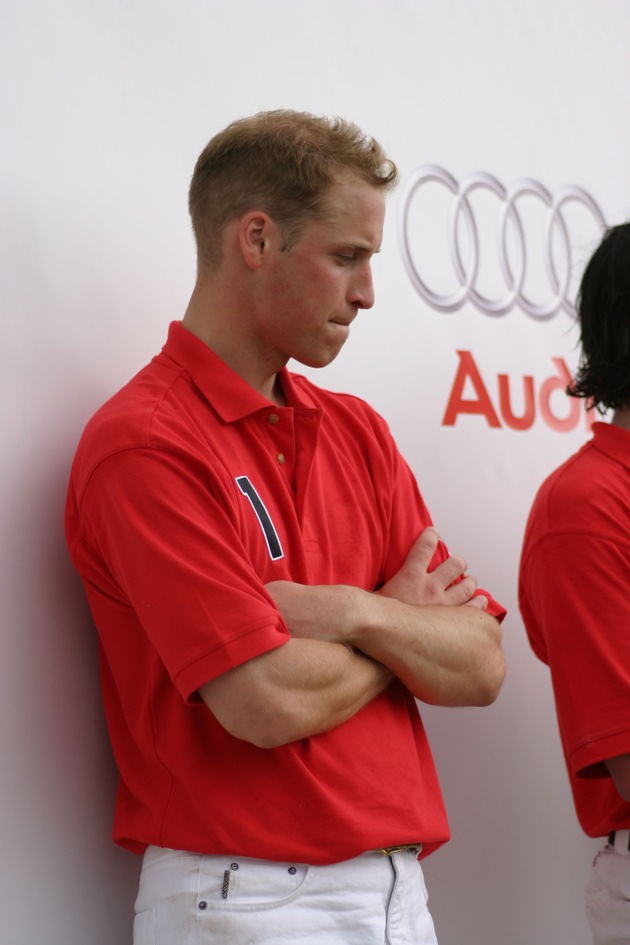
x=281 y=438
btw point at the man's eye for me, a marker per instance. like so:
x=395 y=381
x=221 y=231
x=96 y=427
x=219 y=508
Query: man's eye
x=346 y=257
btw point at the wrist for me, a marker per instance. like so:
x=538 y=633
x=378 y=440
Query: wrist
x=365 y=616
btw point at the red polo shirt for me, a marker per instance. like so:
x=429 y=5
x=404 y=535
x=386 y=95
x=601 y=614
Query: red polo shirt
x=189 y=492
x=573 y=595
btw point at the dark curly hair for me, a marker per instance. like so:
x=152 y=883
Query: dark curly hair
x=603 y=306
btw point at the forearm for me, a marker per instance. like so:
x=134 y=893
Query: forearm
x=303 y=688
x=445 y=655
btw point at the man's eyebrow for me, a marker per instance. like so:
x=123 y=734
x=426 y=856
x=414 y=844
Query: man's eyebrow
x=360 y=247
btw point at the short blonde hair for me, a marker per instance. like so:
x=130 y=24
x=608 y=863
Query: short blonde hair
x=281 y=162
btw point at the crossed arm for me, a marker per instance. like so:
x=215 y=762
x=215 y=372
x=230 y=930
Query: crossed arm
x=347 y=644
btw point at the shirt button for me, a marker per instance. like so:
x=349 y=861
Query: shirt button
x=281 y=458
x=273 y=418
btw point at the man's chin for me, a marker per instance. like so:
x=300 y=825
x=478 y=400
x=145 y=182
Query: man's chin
x=319 y=361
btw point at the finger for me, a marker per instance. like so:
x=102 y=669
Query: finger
x=448 y=571
x=424 y=547
x=461 y=591
x=480 y=602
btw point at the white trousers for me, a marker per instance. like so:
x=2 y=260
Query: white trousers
x=190 y=899
x=608 y=896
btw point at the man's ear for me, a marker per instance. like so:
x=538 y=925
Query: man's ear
x=258 y=236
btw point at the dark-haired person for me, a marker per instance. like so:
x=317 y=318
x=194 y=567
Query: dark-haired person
x=574 y=589
x=268 y=590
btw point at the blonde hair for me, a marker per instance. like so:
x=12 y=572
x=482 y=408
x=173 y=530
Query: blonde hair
x=281 y=162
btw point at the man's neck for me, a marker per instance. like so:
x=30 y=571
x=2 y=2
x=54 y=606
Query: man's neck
x=221 y=329
x=277 y=395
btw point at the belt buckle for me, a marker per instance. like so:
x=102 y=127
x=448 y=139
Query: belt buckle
x=402 y=848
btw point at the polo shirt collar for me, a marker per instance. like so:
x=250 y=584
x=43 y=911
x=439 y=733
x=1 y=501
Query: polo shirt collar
x=612 y=440
x=231 y=397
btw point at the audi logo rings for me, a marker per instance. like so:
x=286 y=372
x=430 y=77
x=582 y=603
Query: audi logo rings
x=514 y=275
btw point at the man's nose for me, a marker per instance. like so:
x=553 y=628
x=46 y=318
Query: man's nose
x=362 y=292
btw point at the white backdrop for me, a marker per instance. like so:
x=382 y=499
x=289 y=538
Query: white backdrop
x=105 y=105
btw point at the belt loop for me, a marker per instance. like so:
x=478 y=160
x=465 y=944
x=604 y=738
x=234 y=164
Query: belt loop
x=619 y=840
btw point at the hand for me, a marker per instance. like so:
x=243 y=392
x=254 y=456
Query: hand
x=447 y=584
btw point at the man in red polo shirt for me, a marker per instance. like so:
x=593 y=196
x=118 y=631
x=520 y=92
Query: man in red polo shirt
x=574 y=588
x=269 y=593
